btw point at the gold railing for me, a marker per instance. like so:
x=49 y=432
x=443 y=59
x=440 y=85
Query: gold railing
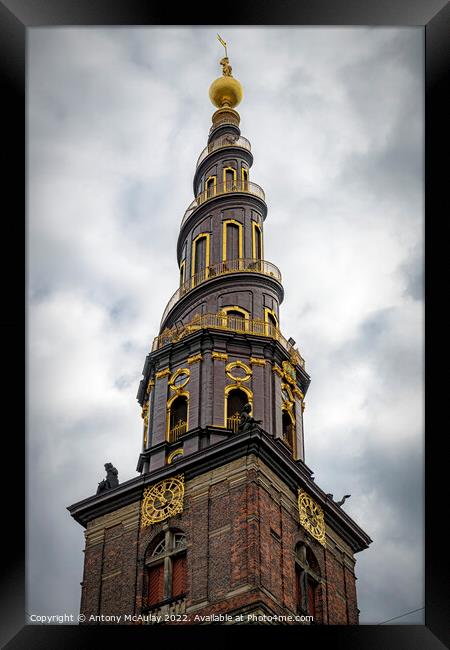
x=177 y=431
x=228 y=140
x=254 y=326
x=233 y=422
x=229 y=266
x=225 y=119
x=238 y=185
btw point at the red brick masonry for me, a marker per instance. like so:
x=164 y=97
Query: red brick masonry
x=242 y=527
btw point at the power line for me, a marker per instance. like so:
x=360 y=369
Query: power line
x=401 y=615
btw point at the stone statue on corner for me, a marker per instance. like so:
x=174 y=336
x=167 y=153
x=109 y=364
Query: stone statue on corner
x=111 y=480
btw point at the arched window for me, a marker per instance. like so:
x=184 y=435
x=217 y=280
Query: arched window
x=232 y=244
x=307 y=579
x=256 y=241
x=288 y=428
x=165 y=569
x=182 y=272
x=271 y=321
x=174 y=456
x=235 y=402
x=200 y=258
x=177 y=417
x=244 y=172
x=210 y=187
x=235 y=318
x=229 y=179
x=200 y=255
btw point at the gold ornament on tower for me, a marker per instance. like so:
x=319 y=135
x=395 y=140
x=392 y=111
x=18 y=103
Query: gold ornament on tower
x=162 y=500
x=311 y=516
x=225 y=91
x=145 y=418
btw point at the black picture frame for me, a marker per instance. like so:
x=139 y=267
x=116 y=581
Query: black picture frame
x=16 y=16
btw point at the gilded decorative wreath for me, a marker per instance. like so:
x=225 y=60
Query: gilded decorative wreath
x=162 y=500
x=311 y=516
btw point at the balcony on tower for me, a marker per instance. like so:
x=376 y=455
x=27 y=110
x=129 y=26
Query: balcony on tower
x=221 y=189
x=240 y=265
x=226 y=322
x=227 y=140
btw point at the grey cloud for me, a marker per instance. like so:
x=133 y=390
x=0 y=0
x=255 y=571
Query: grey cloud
x=412 y=272
x=394 y=357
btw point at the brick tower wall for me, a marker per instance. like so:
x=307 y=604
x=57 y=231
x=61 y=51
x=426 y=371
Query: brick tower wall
x=241 y=523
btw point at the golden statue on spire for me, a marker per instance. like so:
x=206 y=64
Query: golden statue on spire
x=226 y=91
x=226 y=67
x=225 y=63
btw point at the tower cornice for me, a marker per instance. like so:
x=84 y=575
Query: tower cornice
x=205 y=341
x=258 y=443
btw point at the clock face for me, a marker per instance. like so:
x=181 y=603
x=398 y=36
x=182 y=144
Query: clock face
x=311 y=516
x=163 y=500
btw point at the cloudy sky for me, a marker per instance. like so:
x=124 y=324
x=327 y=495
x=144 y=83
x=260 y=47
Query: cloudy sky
x=116 y=120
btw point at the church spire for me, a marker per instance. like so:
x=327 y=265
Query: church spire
x=222 y=399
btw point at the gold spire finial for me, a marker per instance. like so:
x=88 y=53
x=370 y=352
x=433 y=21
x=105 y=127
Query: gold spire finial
x=225 y=91
x=225 y=63
x=223 y=43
